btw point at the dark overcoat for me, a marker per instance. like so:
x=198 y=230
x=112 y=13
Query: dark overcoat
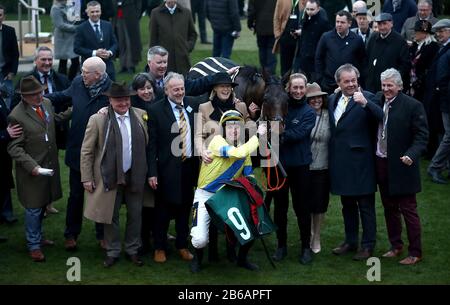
x=162 y=163
x=176 y=33
x=407 y=135
x=351 y=147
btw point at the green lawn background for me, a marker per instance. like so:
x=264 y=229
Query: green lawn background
x=433 y=205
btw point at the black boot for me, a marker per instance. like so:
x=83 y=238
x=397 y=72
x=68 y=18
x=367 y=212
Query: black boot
x=197 y=261
x=242 y=260
x=231 y=252
x=213 y=253
x=306 y=256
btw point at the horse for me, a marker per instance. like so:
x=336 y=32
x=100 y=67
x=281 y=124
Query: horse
x=251 y=82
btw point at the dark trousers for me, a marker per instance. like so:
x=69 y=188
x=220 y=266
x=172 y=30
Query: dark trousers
x=267 y=59
x=165 y=211
x=298 y=184
x=394 y=207
x=222 y=44
x=6 y=209
x=74 y=213
x=148 y=226
x=198 y=8
x=354 y=207
x=74 y=67
x=287 y=52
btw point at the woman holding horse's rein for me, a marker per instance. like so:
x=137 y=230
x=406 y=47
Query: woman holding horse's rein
x=295 y=155
x=207 y=126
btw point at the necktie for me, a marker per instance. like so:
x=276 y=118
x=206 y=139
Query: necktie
x=183 y=131
x=126 y=153
x=40 y=113
x=97 y=32
x=45 y=76
x=383 y=139
x=340 y=109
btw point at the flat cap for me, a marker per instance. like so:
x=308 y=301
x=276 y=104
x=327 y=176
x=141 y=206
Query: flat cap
x=444 y=23
x=383 y=17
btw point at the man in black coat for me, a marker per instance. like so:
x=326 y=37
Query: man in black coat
x=172 y=171
x=86 y=96
x=260 y=20
x=7 y=133
x=312 y=26
x=401 y=140
x=337 y=47
x=9 y=56
x=95 y=37
x=386 y=49
x=439 y=77
x=353 y=121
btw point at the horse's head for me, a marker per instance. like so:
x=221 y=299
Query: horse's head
x=251 y=86
x=275 y=100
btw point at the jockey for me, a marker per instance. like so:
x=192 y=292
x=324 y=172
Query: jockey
x=231 y=159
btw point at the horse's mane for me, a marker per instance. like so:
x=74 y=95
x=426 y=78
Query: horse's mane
x=249 y=72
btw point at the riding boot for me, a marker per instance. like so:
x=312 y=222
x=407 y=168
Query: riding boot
x=213 y=253
x=197 y=261
x=242 y=259
x=231 y=251
x=316 y=223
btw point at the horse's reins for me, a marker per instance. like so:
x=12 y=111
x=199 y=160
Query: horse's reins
x=279 y=182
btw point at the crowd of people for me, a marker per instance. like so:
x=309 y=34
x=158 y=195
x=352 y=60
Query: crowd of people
x=368 y=97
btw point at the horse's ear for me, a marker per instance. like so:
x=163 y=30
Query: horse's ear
x=266 y=74
x=285 y=77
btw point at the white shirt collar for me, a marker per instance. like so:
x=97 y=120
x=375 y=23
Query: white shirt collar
x=93 y=23
x=126 y=114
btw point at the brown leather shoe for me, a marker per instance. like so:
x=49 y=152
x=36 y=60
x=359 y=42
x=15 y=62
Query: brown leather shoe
x=160 y=256
x=185 y=254
x=135 y=259
x=343 y=249
x=362 y=255
x=37 y=256
x=393 y=253
x=70 y=244
x=47 y=242
x=410 y=260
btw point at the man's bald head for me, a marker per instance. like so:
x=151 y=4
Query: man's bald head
x=95 y=63
x=93 y=70
x=358 y=5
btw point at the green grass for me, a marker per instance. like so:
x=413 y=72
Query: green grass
x=434 y=208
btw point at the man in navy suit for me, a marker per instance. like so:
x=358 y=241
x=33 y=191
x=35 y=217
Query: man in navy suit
x=353 y=121
x=95 y=37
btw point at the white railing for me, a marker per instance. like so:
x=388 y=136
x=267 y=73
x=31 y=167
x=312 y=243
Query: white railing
x=36 y=22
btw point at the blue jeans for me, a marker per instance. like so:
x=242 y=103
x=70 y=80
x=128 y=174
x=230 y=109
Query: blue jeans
x=267 y=59
x=222 y=44
x=33 y=227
